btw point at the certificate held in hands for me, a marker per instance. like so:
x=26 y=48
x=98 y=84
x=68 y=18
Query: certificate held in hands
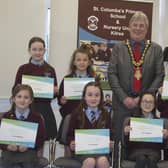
x=92 y=141
x=43 y=87
x=18 y=132
x=146 y=130
x=165 y=89
x=73 y=87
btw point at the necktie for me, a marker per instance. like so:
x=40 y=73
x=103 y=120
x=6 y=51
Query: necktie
x=22 y=117
x=93 y=117
x=137 y=79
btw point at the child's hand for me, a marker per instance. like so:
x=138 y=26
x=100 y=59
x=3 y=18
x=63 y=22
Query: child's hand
x=63 y=100
x=22 y=148
x=72 y=145
x=127 y=129
x=12 y=148
x=56 y=90
x=160 y=90
x=165 y=133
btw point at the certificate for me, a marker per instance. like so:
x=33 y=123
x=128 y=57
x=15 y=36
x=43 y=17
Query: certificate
x=73 y=87
x=43 y=87
x=165 y=88
x=146 y=130
x=18 y=132
x=92 y=141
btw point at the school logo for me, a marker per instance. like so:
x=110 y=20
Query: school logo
x=92 y=23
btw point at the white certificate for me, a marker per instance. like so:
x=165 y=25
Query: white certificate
x=73 y=87
x=165 y=89
x=43 y=87
x=146 y=130
x=18 y=132
x=92 y=141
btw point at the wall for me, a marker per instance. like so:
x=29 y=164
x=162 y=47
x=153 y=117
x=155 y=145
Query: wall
x=63 y=37
x=20 y=20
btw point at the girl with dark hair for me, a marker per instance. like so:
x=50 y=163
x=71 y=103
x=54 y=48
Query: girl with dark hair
x=18 y=155
x=37 y=66
x=145 y=153
x=80 y=67
x=82 y=118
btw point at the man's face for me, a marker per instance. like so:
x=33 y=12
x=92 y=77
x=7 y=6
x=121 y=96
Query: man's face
x=138 y=30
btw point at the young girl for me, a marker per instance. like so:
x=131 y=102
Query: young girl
x=38 y=67
x=21 y=156
x=80 y=66
x=92 y=100
x=145 y=153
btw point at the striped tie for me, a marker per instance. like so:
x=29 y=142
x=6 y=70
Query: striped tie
x=93 y=117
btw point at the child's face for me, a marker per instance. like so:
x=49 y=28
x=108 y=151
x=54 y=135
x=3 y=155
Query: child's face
x=37 y=51
x=92 y=96
x=81 y=62
x=22 y=100
x=147 y=103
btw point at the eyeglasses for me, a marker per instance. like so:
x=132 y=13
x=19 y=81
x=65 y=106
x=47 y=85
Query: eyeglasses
x=145 y=102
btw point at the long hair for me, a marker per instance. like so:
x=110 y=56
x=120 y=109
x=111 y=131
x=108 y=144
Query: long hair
x=139 y=113
x=72 y=67
x=16 y=90
x=83 y=106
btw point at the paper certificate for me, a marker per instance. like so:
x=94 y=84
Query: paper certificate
x=165 y=88
x=92 y=141
x=73 y=87
x=146 y=130
x=43 y=87
x=18 y=132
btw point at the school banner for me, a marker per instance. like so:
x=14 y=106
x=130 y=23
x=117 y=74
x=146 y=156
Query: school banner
x=102 y=23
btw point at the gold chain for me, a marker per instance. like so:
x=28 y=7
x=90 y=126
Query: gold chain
x=141 y=61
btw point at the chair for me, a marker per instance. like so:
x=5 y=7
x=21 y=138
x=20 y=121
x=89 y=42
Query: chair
x=124 y=163
x=66 y=161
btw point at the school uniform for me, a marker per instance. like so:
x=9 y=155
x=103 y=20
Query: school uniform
x=70 y=105
x=28 y=158
x=75 y=123
x=41 y=105
x=140 y=151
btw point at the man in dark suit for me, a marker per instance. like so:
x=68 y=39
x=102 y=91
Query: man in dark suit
x=136 y=65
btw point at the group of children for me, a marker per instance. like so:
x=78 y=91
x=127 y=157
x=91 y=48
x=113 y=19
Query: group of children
x=39 y=110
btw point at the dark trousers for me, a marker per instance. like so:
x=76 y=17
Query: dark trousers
x=145 y=157
x=27 y=159
x=50 y=123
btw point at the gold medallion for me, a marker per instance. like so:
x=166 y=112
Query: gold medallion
x=138 y=74
x=140 y=62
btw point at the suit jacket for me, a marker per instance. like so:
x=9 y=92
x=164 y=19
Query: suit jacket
x=120 y=77
x=120 y=71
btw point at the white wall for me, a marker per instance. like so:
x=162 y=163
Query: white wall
x=63 y=37
x=20 y=20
